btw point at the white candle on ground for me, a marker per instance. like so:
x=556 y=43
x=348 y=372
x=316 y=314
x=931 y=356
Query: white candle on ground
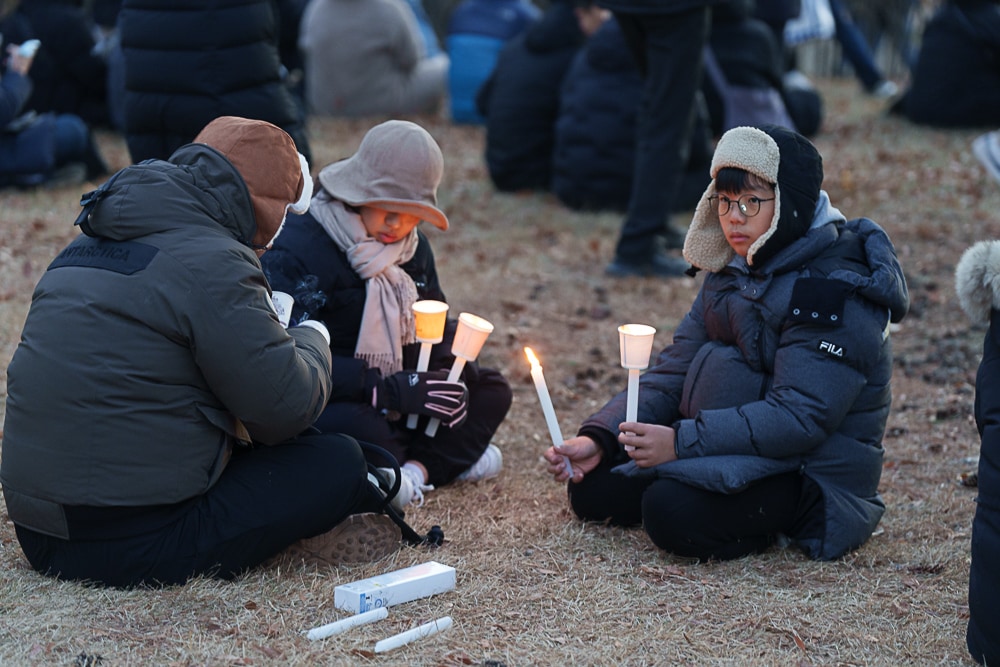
x=419 y=632
x=547 y=410
x=337 y=627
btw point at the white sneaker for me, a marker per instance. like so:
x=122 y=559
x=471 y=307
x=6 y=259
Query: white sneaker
x=489 y=465
x=986 y=148
x=885 y=90
x=411 y=488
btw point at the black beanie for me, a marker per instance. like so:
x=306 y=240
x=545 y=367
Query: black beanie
x=800 y=177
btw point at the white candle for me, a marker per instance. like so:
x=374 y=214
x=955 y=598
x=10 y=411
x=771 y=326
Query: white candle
x=342 y=625
x=470 y=335
x=453 y=375
x=419 y=632
x=423 y=361
x=632 y=402
x=547 y=410
x=636 y=342
x=429 y=319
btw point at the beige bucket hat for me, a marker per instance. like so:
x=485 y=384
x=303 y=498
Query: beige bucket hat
x=397 y=167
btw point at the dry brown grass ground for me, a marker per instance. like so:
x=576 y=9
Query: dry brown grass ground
x=536 y=587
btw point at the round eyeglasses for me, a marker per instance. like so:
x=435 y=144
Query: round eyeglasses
x=749 y=205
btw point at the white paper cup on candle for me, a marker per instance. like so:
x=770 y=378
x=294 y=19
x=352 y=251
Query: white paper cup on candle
x=429 y=316
x=636 y=342
x=470 y=336
x=283 y=306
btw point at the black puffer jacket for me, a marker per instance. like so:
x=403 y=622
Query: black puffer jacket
x=306 y=263
x=190 y=61
x=520 y=100
x=956 y=81
x=595 y=134
x=68 y=76
x=976 y=278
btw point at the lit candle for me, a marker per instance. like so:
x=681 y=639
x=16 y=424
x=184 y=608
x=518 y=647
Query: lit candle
x=429 y=318
x=547 y=410
x=636 y=342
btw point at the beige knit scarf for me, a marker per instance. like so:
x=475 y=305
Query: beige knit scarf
x=387 y=323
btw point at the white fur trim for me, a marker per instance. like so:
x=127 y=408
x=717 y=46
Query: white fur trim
x=753 y=151
x=302 y=205
x=977 y=280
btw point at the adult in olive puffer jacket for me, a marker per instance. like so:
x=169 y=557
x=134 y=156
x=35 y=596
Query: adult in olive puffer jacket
x=153 y=375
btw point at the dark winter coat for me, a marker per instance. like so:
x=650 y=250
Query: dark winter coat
x=780 y=368
x=152 y=348
x=595 y=133
x=188 y=62
x=68 y=76
x=520 y=100
x=654 y=6
x=306 y=263
x=956 y=80
x=977 y=280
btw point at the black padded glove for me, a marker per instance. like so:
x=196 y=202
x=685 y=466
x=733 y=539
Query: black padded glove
x=428 y=393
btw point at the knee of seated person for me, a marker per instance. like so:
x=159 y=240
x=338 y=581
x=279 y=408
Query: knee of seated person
x=332 y=451
x=72 y=134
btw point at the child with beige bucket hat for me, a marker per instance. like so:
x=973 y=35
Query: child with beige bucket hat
x=357 y=261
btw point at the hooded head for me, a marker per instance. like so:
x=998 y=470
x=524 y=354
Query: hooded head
x=275 y=173
x=779 y=156
x=397 y=168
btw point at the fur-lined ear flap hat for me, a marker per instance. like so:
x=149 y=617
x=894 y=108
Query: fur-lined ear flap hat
x=783 y=158
x=276 y=174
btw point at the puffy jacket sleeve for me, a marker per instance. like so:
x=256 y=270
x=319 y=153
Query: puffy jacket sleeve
x=276 y=382
x=15 y=89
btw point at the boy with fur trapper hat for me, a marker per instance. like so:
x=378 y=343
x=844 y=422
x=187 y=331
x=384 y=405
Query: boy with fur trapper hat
x=157 y=409
x=765 y=415
x=358 y=262
x=977 y=282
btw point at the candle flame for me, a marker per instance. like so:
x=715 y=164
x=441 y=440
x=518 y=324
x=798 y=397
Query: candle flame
x=532 y=359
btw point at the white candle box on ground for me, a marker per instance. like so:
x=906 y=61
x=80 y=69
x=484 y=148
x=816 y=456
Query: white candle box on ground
x=392 y=588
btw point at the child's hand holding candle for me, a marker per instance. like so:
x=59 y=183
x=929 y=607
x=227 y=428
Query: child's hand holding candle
x=636 y=342
x=547 y=410
x=429 y=319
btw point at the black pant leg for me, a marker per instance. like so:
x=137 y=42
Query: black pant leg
x=266 y=499
x=673 y=64
x=692 y=522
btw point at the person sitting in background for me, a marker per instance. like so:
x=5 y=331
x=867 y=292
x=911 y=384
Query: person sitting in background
x=748 y=55
x=977 y=277
x=152 y=358
x=70 y=74
x=358 y=262
x=32 y=146
x=595 y=132
x=477 y=31
x=956 y=79
x=367 y=57
x=765 y=416
x=188 y=63
x=520 y=99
